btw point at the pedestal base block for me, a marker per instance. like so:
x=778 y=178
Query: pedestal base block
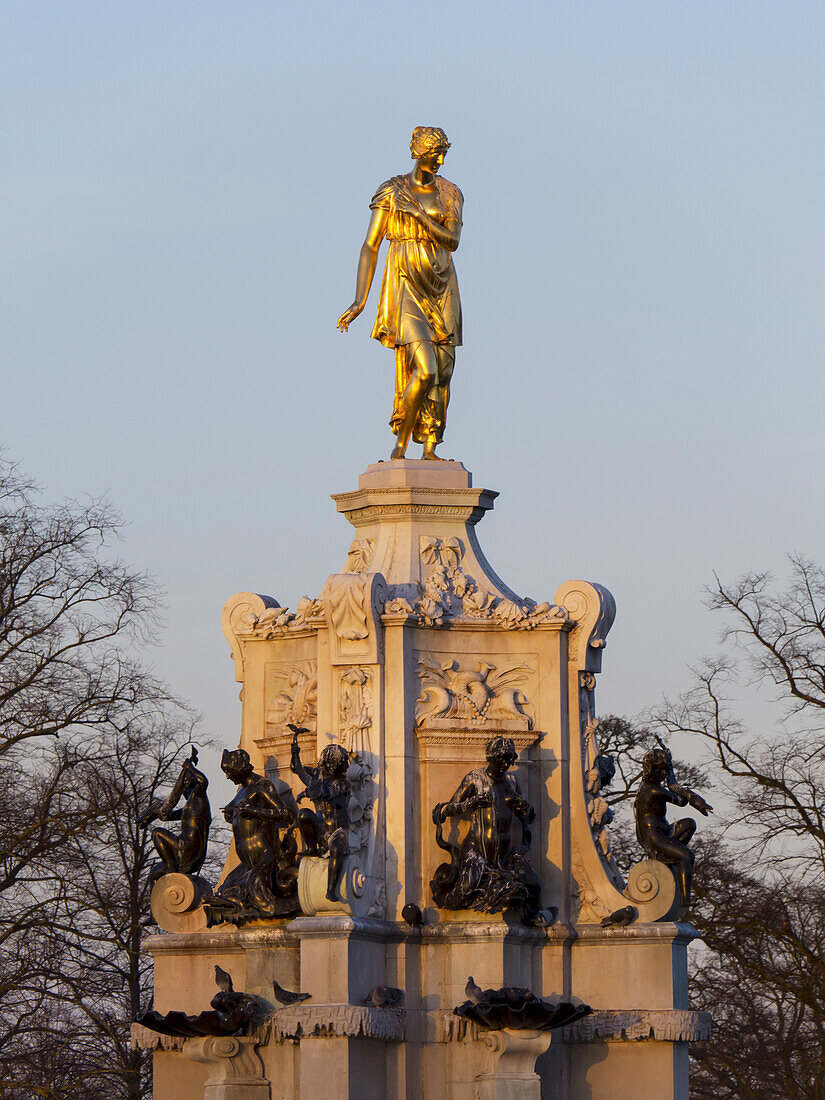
x=511 y=1060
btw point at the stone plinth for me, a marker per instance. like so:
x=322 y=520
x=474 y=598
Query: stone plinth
x=413 y=655
x=511 y=1059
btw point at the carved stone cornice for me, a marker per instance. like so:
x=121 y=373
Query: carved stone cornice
x=339 y=1020
x=362 y=506
x=670 y=1025
x=444 y=734
x=143 y=1038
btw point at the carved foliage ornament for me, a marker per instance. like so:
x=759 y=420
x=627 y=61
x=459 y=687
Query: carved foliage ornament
x=355 y=723
x=448 y=593
x=276 y=620
x=597 y=770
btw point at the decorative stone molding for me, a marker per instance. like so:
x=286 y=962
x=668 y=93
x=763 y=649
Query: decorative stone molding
x=457 y=1029
x=599 y=813
x=378 y=906
x=447 y=552
x=590 y=907
x=333 y=1020
x=359 y=555
x=450 y=593
x=177 y=903
x=440 y=735
x=237 y=1072
x=355 y=709
x=399 y=607
x=361 y=801
x=276 y=621
x=353 y=603
x=636 y=1025
x=238 y=612
x=652 y=887
x=485 y=694
x=593 y=609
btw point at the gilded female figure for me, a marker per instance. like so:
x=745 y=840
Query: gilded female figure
x=419 y=311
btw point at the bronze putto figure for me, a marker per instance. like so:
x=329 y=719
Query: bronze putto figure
x=488 y=871
x=661 y=840
x=326 y=829
x=185 y=853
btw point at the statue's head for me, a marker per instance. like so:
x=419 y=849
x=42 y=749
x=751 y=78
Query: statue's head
x=501 y=753
x=656 y=763
x=236 y=765
x=429 y=144
x=333 y=761
x=195 y=780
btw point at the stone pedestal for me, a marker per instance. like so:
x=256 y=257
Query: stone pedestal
x=510 y=1072
x=236 y=1071
x=414 y=655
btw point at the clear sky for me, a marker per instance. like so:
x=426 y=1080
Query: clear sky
x=184 y=192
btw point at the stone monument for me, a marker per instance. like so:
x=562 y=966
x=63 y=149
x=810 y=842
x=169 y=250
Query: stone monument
x=474 y=840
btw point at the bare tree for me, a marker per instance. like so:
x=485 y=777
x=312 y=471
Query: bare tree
x=760 y=898
x=87 y=735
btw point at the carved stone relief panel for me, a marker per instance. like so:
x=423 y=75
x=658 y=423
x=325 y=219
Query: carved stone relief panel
x=291 y=691
x=473 y=692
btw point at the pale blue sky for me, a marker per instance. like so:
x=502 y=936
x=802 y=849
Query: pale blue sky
x=184 y=194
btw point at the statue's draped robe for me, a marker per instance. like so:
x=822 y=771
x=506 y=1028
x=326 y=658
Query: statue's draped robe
x=419 y=298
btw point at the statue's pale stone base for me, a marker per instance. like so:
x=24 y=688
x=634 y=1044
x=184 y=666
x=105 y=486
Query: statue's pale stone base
x=413 y=657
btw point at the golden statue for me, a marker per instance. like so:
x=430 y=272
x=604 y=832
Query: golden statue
x=419 y=311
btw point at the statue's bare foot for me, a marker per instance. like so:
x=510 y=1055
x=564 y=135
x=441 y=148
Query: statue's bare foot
x=397 y=452
x=331 y=896
x=433 y=456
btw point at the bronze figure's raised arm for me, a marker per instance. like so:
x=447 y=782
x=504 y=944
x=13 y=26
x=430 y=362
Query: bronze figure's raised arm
x=185 y=853
x=660 y=840
x=419 y=310
x=326 y=829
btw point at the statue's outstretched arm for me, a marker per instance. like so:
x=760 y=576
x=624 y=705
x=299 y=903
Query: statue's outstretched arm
x=367 y=262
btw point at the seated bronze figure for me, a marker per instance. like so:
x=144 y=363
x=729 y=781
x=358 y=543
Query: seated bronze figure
x=265 y=883
x=326 y=829
x=660 y=840
x=488 y=871
x=185 y=853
